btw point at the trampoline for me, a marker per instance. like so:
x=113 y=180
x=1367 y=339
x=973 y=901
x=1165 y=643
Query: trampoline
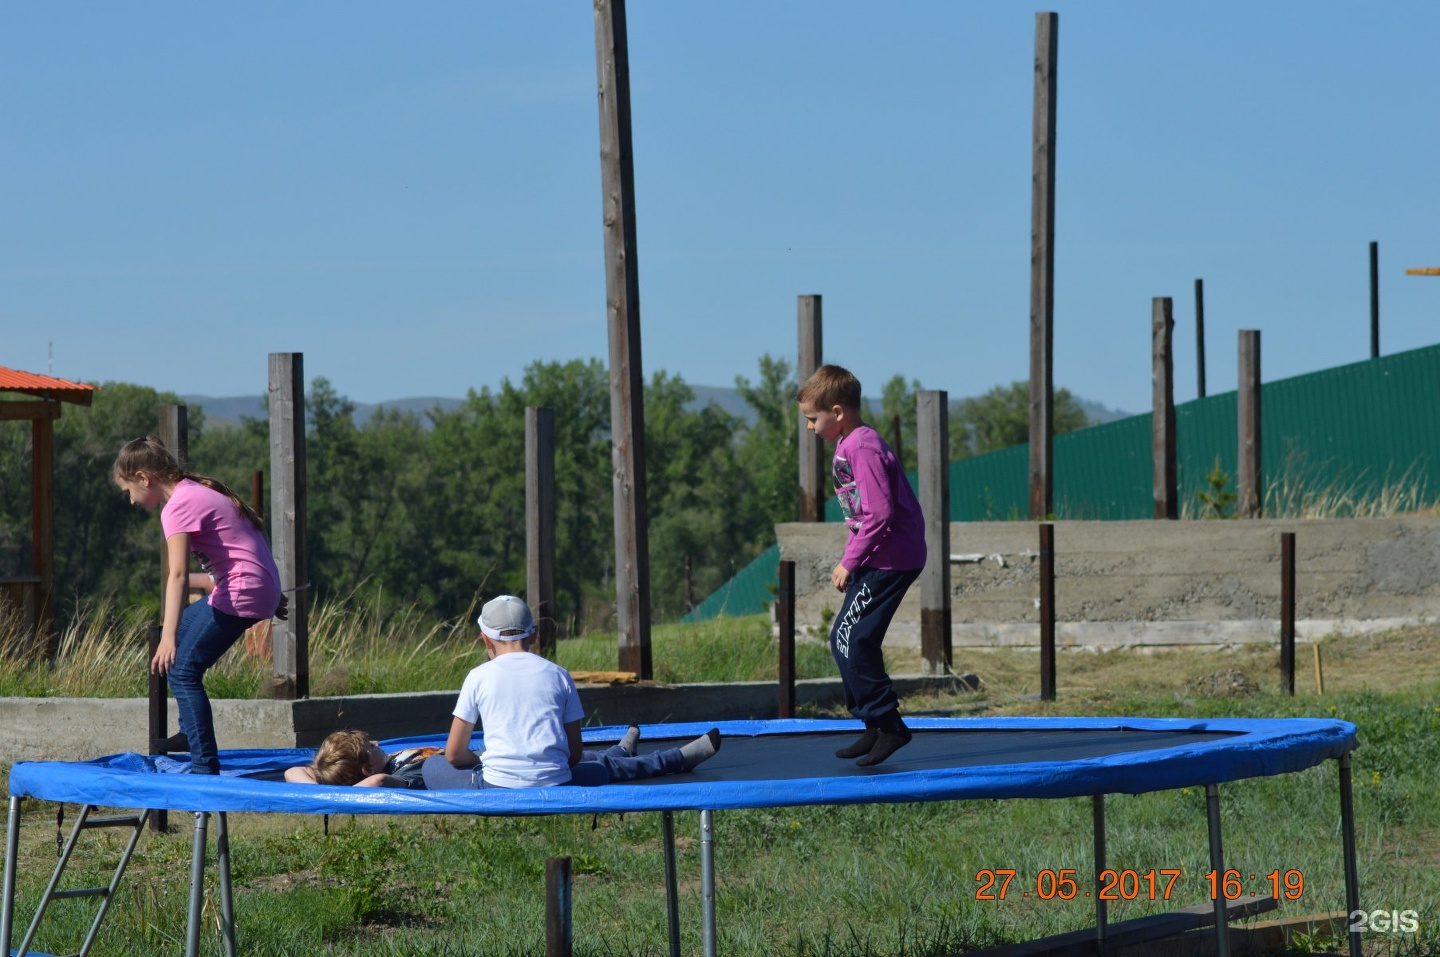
x=775 y=763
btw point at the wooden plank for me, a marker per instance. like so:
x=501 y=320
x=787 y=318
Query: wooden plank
x=1250 y=492
x=28 y=411
x=1162 y=419
x=932 y=416
x=814 y=470
x=1081 y=943
x=290 y=640
x=540 y=523
x=622 y=294
x=42 y=524
x=1042 y=269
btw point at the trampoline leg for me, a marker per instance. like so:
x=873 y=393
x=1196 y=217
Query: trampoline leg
x=707 y=879
x=12 y=851
x=1102 y=909
x=1347 y=834
x=672 y=899
x=227 y=900
x=197 y=885
x=1217 y=863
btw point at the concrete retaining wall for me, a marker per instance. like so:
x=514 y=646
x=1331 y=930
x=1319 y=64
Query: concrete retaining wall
x=66 y=729
x=1154 y=582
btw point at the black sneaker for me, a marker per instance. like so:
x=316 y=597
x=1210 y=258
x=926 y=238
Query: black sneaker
x=176 y=742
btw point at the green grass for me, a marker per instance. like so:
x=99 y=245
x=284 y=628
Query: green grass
x=837 y=881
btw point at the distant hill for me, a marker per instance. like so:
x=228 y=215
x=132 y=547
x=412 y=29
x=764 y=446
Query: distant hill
x=224 y=411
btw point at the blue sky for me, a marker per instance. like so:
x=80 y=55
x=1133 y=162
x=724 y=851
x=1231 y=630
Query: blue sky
x=410 y=194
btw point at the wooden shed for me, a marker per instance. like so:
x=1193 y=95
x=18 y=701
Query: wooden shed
x=34 y=594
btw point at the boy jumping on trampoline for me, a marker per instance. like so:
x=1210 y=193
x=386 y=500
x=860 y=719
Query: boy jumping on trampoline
x=883 y=557
x=531 y=713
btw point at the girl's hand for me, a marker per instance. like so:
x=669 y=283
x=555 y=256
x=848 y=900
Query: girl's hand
x=164 y=657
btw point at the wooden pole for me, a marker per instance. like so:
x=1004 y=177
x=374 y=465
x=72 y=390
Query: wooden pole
x=785 y=612
x=898 y=446
x=1047 y=612
x=540 y=523
x=290 y=640
x=813 y=468
x=933 y=428
x=1250 y=492
x=559 y=938
x=622 y=295
x=257 y=492
x=1162 y=418
x=174 y=434
x=1374 y=300
x=1042 y=269
x=1319 y=673
x=1287 y=612
x=1200 y=335
x=42 y=524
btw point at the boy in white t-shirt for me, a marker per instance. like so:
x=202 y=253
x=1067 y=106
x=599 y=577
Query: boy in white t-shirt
x=531 y=714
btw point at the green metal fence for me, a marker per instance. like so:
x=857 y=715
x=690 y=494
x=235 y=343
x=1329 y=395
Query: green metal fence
x=1335 y=442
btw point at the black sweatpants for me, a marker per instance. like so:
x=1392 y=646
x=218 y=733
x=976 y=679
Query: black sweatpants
x=871 y=598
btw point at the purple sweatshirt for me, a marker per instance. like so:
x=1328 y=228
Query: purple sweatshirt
x=887 y=529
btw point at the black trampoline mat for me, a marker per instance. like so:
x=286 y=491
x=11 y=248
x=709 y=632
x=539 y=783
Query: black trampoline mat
x=784 y=757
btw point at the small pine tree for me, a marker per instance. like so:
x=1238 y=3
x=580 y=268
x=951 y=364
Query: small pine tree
x=1216 y=497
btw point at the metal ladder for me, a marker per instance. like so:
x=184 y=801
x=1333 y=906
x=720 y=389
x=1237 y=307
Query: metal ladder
x=84 y=822
x=136 y=822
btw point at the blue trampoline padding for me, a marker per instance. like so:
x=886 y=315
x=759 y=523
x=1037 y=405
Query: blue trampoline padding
x=777 y=763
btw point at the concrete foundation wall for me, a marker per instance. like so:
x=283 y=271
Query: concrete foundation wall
x=1154 y=582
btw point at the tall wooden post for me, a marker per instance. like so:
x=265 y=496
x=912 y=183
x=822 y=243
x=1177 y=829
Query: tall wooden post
x=1042 y=269
x=540 y=522
x=257 y=492
x=785 y=613
x=559 y=933
x=1200 y=335
x=1047 y=611
x=933 y=433
x=174 y=434
x=1374 y=300
x=1162 y=418
x=813 y=470
x=290 y=640
x=1250 y=493
x=42 y=519
x=622 y=301
x=1287 y=613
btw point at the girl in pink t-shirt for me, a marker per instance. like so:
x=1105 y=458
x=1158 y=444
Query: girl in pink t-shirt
x=202 y=517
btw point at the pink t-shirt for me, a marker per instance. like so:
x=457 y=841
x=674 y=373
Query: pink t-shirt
x=226 y=545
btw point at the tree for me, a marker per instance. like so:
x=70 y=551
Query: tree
x=1001 y=418
x=897 y=400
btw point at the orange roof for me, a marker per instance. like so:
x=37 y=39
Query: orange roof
x=44 y=386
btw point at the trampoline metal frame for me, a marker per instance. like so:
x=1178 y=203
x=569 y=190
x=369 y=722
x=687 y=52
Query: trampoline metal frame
x=1101 y=933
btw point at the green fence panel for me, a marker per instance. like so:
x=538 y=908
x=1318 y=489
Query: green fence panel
x=1334 y=443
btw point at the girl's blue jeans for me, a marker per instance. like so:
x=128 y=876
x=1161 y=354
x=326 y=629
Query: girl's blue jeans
x=203 y=636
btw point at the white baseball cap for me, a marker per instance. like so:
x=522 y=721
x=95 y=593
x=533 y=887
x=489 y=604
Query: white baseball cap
x=506 y=613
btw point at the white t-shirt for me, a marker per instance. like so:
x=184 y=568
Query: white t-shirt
x=522 y=702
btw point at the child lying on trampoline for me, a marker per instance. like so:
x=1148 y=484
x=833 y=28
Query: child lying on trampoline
x=351 y=757
x=354 y=758
x=531 y=713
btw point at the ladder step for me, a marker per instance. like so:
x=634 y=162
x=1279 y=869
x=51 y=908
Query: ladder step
x=113 y=820
x=81 y=892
